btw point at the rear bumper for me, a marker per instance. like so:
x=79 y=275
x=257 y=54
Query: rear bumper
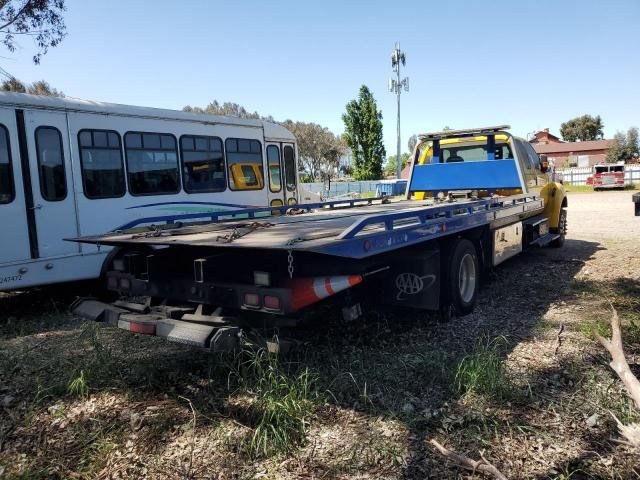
x=208 y=293
x=607 y=186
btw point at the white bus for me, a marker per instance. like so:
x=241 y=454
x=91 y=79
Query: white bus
x=71 y=168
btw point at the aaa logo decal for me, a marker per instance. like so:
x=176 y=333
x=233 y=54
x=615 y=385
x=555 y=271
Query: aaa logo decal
x=408 y=283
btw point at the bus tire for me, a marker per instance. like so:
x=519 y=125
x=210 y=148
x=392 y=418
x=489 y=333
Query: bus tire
x=562 y=229
x=463 y=276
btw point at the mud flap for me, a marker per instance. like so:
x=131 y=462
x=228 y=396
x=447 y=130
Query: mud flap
x=414 y=278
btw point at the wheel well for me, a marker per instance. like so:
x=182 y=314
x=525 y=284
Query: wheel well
x=481 y=239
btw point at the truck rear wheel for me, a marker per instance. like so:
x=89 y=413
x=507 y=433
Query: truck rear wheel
x=463 y=276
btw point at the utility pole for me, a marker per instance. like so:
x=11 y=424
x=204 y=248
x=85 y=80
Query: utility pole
x=395 y=86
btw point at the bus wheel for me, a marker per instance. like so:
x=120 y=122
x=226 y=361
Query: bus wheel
x=463 y=276
x=562 y=229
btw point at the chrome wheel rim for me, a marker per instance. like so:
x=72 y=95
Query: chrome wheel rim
x=467 y=278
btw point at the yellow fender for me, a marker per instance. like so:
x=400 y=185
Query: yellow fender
x=555 y=199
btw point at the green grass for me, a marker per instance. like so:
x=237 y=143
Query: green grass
x=482 y=371
x=78 y=386
x=624 y=295
x=284 y=404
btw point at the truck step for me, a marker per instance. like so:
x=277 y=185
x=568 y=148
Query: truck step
x=545 y=240
x=213 y=332
x=188 y=333
x=97 y=311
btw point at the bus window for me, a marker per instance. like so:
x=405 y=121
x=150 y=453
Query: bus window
x=7 y=193
x=290 y=168
x=101 y=164
x=152 y=163
x=273 y=161
x=202 y=164
x=244 y=161
x=53 y=181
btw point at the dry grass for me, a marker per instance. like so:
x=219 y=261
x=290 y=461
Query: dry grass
x=357 y=400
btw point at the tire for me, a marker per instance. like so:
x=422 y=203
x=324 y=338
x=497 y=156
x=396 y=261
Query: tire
x=462 y=277
x=562 y=229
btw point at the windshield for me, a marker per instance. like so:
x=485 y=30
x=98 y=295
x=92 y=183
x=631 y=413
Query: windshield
x=463 y=152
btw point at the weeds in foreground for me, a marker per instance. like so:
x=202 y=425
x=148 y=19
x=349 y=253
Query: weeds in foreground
x=284 y=403
x=482 y=371
x=624 y=295
x=78 y=386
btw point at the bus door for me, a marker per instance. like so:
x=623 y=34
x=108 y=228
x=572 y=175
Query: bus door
x=13 y=202
x=275 y=177
x=290 y=173
x=54 y=203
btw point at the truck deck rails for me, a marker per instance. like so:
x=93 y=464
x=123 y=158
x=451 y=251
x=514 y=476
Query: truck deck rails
x=353 y=231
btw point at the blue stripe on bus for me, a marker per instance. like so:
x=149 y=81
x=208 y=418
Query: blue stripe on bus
x=235 y=205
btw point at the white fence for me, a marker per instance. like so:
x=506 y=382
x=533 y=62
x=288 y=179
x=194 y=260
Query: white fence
x=572 y=176
x=578 y=175
x=342 y=188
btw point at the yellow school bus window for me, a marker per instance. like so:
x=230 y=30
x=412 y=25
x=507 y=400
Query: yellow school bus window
x=244 y=161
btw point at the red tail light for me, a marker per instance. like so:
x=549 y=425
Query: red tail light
x=271 y=302
x=252 y=300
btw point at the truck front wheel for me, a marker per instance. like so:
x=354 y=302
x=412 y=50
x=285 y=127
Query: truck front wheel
x=562 y=229
x=463 y=276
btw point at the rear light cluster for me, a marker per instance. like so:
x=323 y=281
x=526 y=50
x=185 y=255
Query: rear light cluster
x=268 y=302
x=115 y=283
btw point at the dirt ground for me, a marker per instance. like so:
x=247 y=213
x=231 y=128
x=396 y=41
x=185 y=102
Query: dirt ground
x=521 y=380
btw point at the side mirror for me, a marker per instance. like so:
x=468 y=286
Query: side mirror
x=544 y=163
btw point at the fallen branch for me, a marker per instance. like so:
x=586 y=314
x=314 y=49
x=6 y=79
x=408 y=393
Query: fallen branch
x=482 y=466
x=187 y=472
x=618 y=362
x=558 y=340
x=620 y=365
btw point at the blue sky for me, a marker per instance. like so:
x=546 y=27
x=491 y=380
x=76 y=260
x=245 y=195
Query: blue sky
x=528 y=64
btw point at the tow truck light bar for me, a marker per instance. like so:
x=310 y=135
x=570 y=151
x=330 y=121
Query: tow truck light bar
x=463 y=133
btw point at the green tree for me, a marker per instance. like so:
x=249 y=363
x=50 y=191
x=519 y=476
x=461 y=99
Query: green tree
x=582 y=128
x=42 y=20
x=626 y=148
x=363 y=134
x=390 y=165
x=319 y=150
x=41 y=87
x=12 y=84
x=228 y=109
x=413 y=140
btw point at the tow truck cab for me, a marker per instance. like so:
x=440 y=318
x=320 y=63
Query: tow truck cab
x=484 y=162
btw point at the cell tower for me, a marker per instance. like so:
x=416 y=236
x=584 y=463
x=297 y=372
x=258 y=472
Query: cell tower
x=396 y=85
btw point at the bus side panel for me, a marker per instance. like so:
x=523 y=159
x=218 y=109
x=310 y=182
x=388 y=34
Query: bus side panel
x=48 y=271
x=14 y=245
x=98 y=216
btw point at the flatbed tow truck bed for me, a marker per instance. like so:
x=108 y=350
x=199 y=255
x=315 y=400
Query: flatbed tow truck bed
x=209 y=279
x=354 y=229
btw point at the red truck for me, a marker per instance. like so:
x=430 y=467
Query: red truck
x=606 y=176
